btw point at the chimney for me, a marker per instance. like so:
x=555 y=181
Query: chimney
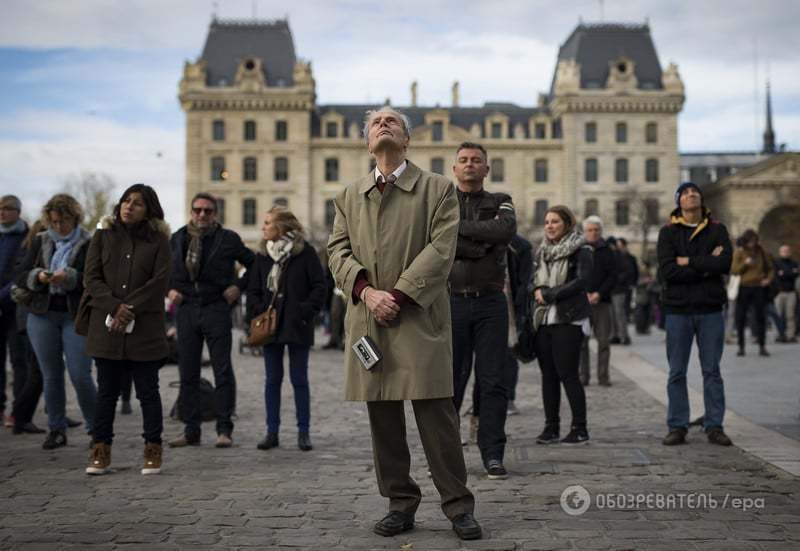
x=414 y=94
x=455 y=94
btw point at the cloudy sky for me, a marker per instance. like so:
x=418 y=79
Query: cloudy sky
x=91 y=86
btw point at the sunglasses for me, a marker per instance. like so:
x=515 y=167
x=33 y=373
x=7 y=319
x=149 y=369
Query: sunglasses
x=198 y=210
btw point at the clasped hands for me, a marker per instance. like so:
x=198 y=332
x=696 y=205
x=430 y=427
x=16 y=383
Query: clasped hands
x=122 y=317
x=381 y=304
x=684 y=260
x=55 y=278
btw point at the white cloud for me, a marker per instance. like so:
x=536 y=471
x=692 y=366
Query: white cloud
x=69 y=145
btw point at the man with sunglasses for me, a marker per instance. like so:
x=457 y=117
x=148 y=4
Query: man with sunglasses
x=204 y=286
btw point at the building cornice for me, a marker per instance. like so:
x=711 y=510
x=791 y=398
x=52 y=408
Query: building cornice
x=217 y=102
x=595 y=103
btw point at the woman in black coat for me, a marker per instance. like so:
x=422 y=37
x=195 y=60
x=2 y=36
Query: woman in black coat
x=561 y=318
x=288 y=266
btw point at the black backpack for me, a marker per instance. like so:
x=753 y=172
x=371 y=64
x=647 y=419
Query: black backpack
x=205 y=391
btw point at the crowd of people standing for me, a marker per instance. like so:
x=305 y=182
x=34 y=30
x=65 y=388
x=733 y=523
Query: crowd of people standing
x=437 y=286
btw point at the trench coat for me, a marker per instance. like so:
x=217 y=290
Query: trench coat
x=404 y=239
x=131 y=271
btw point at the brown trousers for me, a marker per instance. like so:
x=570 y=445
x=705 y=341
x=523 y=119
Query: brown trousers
x=437 y=423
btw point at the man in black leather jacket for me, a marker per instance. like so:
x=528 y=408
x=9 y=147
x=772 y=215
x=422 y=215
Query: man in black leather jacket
x=204 y=286
x=478 y=304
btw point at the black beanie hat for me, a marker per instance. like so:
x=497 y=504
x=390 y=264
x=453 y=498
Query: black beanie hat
x=683 y=187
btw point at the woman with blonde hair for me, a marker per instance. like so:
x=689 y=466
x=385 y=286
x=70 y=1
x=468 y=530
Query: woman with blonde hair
x=53 y=271
x=289 y=269
x=561 y=318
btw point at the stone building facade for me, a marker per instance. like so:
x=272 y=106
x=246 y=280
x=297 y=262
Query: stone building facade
x=602 y=140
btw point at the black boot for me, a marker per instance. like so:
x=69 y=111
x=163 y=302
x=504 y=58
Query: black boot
x=269 y=441
x=304 y=441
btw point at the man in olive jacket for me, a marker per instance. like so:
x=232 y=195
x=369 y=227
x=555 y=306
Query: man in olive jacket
x=391 y=250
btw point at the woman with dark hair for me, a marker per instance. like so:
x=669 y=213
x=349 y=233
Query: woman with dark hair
x=756 y=270
x=290 y=267
x=53 y=271
x=127 y=274
x=561 y=319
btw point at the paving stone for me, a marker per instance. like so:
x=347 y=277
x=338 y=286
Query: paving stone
x=328 y=498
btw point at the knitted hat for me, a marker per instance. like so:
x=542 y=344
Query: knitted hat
x=683 y=187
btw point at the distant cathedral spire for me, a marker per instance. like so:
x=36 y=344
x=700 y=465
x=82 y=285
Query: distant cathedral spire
x=769 y=134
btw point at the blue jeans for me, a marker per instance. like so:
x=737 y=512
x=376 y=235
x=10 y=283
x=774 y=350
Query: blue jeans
x=54 y=339
x=298 y=374
x=709 y=329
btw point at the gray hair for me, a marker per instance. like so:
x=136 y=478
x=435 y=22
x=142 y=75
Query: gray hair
x=385 y=109
x=593 y=220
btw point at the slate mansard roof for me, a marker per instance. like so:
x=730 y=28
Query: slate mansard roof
x=230 y=41
x=594 y=46
x=463 y=117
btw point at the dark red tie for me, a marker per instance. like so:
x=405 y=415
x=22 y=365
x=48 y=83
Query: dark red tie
x=382 y=184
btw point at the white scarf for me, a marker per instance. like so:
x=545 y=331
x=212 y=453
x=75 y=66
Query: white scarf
x=279 y=251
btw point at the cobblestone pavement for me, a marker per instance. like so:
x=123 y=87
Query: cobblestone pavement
x=748 y=380
x=328 y=499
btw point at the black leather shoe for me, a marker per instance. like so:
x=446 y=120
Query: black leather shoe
x=466 y=527
x=269 y=441
x=28 y=428
x=675 y=437
x=304 y=441
x=396 y=522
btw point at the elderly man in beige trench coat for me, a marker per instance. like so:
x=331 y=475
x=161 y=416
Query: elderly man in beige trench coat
x=391 y=249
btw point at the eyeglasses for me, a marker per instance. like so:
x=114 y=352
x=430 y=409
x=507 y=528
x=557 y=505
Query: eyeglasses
x=198 y=210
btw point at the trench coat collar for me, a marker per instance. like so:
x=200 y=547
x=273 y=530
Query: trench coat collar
x=407 y=180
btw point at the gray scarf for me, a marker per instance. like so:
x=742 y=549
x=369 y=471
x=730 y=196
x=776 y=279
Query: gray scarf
x=17 y=227
x=553 y=267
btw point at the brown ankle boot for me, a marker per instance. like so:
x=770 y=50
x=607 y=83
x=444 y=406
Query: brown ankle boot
x=152 y=458
x=99 y=459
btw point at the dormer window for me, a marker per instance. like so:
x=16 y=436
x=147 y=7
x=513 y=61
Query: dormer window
x=622 y=67
x=250 y=64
